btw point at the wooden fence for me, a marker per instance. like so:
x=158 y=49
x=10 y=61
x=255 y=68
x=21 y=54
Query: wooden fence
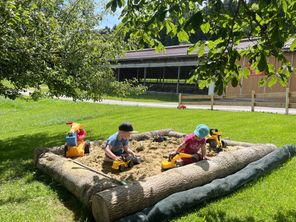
x=281 y=99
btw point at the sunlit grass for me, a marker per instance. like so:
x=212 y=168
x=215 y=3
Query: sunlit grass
x=27 y=195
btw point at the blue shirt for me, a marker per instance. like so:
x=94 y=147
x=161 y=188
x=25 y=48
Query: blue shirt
x=116 y=144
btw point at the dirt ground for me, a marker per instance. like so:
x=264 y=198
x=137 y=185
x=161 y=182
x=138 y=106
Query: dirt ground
x=151 y=153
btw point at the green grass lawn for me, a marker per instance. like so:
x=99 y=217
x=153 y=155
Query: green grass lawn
x=28 y=195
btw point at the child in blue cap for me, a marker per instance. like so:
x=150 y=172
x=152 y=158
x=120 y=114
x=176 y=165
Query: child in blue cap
x=193 y=143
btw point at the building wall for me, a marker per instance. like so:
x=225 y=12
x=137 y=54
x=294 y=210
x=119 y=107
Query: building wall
x=247 y=85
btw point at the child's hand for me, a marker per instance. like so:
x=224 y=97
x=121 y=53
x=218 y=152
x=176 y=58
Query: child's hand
x=171 y=155
x=117 y=158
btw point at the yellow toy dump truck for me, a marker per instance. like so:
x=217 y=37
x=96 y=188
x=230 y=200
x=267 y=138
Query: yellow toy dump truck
x=174 y=161
x=125 y=163
x=75 y=145
x=214 y=140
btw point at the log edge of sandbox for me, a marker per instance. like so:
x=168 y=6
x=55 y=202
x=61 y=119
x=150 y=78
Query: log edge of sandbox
x=139 y=195
x=85 y=191
x=52 y=162
x=77 y=179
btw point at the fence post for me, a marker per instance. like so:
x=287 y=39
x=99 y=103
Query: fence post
x=212 y=101
x=253 y=101
x=180 y=98
x=287 y=101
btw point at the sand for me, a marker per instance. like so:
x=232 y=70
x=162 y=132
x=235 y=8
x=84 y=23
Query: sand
x=151 y=153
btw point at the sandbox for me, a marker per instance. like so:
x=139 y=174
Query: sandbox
x=105 y=191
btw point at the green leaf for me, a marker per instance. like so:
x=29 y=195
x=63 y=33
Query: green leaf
x=112 y=4
x=211 y=44
x=182 y=36
x=160 y=47
x=192 y=48
x=240 y=73
x=262 y=82
x=219 y=86
x=182 y=20
x=277 y=38
x=194 y=21
x=11 y=5
x=201 y=50
x=234 y=82
x=272 y=81
x=262 y=64
x=246 y=72
x=171 y=28
x=120 y=3
x=34 y=6
x=255 y=7
x=191 y=6
x=161 y=14
x=192 y=77
x=147 y=39
x=271 y=69
x=285 y=6
x=293 y=45
x=259 y=19
x=174 y=29
x=205 y=27
x=218 y=41
x=168 y=27
x=109 y=4
x=202 y=84
x=26 y=21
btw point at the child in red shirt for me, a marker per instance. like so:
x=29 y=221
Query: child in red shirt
x=193 y=143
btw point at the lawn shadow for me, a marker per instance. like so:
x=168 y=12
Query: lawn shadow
x=81 y=213
x=10 y=200
x=289 y=216
x=17 y=153
x=214 y=216
x=22 y=147
x=17 y=161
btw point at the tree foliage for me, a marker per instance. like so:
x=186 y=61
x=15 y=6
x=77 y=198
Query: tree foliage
x=57 y=44
x=269 y=24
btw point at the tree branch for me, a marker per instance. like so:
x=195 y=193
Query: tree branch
x=231 y=36
x=70 y=10
x=252 y=14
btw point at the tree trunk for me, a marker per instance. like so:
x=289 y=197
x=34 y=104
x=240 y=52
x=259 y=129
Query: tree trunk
x=237 y=143
x=59 y=150
x=120 y=201
x=176 y=134
x=80 y=181
x=151 y=134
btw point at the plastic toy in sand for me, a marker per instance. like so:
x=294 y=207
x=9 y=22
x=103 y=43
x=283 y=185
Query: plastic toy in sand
x=75 y=145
